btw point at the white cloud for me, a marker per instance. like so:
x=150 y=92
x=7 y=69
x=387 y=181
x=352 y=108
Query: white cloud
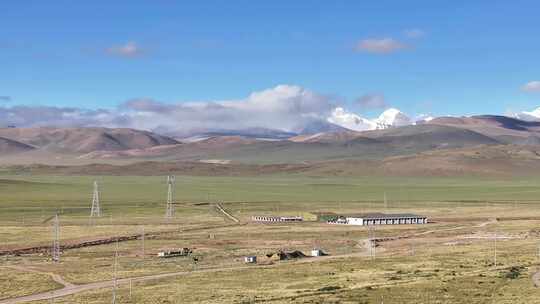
x=380 y=46
x=414 y=33
x=528 y=116
x=284 y=107
x=128 y=50
x=533 y=86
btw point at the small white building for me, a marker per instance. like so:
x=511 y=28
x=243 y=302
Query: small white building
x=317 y=252
x=380 y=219
x=250 y=259
x=257 y=218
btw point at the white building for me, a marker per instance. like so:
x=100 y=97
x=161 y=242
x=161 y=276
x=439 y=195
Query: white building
x=277 y=218
x=380 y=219
x=250 y=259
x=317 y=252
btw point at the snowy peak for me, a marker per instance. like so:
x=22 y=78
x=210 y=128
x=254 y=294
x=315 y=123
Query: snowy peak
x=393 y=118
x=388 y=119
x=351 y=121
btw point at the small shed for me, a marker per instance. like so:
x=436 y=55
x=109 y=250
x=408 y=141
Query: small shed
x=250 y=259
x=317 y=252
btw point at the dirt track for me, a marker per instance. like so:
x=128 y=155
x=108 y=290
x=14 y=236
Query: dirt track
x=70 y=289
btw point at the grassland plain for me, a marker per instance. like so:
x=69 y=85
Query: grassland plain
x=448 y=261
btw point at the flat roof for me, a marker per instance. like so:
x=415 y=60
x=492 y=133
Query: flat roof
x=384 y=215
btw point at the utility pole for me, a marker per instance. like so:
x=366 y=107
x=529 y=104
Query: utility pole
x=115 y=282
x=495 y=251
x=385 y=202
x=170 y=196
x=55 y=251
x=371 y=238
x=142 y=240
x=96 y=208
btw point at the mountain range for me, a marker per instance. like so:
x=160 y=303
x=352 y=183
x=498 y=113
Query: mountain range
x=394 y=144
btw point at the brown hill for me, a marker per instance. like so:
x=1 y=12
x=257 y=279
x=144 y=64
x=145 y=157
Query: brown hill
x=8 y=146
x=506 y=129
x=327 y=137
x=84 y=140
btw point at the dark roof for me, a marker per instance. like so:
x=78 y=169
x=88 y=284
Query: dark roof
x=384 y=215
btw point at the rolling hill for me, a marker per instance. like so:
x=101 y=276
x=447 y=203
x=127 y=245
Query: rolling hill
x=8 y=146
x=84 y=140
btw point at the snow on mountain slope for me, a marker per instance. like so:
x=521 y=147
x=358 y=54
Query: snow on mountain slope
x=388 y=119
x=351 y=121
x=393 y=118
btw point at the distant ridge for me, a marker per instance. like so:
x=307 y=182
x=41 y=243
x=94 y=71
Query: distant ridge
x=84 y=140
x=8 y=146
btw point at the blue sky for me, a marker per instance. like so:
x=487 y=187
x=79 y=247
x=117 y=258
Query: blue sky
x=466 y=57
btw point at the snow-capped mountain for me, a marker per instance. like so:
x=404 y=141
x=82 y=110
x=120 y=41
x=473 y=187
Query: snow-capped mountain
x=351 y=121
x=388 y=119
x=529 y=116
x=393 y=118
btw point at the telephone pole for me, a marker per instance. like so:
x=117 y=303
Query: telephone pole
x=55 y=250
x=115 y=282
x=170 y=196
x=495 y=251
x=142 y=240
x=372 y=242
x=96 y=208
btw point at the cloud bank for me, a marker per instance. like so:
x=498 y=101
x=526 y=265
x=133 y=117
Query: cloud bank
x=284 y=107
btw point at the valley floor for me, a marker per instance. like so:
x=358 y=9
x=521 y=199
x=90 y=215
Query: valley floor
x=483 y=250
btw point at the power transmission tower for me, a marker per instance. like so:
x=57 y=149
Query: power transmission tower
x=96 y=208
x=55 y=250
x=170 y=193
x=115 y=282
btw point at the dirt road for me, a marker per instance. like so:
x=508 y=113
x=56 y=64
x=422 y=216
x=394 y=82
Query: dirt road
x=58 y=279
x=227 y=214
x=70 y=289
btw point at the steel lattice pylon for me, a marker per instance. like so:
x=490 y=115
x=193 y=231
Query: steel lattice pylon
x=55 y=250
x=170 y=196
x=96 y=208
